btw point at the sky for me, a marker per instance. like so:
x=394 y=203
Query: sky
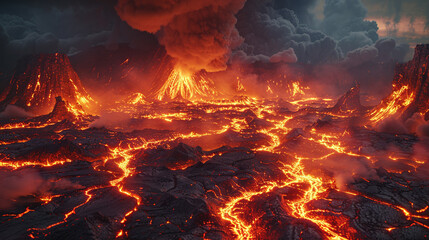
x=405 y=20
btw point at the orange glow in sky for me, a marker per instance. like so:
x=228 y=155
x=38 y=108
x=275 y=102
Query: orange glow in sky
x=408 y=28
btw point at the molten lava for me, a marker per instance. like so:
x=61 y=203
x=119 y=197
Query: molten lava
x=39 y=79
x=395 y=104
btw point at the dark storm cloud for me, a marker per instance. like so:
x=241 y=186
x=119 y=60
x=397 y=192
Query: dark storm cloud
x=300 y=8
x=343 y=17
x=343 y=42
x=30 y=27
x=268 y=31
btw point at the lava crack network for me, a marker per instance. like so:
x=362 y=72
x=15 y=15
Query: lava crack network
x=240 y=168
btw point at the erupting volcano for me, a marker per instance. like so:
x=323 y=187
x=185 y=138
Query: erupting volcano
x=185 y=85
x=217 y=137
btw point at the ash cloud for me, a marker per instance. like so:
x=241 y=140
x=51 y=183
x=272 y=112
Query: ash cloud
x=268 y=31
x=345 y=17
x=300 y=8
x=269 y=27
x=286 y=56
x=343 y=43
x=199 y=34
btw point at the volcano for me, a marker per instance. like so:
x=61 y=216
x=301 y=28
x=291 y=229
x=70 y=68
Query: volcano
x=39 y=79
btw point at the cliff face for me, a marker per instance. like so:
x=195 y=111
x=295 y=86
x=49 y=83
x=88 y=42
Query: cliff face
x=414 y=74
x=39 y=79
x=410 y=93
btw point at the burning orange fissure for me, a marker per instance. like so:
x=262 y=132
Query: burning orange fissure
x=293 y=174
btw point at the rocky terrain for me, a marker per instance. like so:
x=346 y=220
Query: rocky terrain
x=231 y=169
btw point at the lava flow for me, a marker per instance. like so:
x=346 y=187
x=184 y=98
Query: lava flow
x=201 y=167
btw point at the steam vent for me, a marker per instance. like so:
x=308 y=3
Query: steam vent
x=39 y=79
x=214 y=120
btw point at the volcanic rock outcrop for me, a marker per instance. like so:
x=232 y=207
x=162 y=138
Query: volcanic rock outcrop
x=39 y=79
x=410 y=92
x=349 y=102
x=60 y=111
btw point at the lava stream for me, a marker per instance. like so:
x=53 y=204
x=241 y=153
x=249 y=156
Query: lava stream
x=293 y=174
x=126 y=154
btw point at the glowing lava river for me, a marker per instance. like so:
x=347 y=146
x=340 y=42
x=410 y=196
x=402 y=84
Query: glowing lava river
x=237 y=168
x=231 y=169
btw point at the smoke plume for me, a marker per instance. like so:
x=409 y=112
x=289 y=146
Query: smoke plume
x=199 y=34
